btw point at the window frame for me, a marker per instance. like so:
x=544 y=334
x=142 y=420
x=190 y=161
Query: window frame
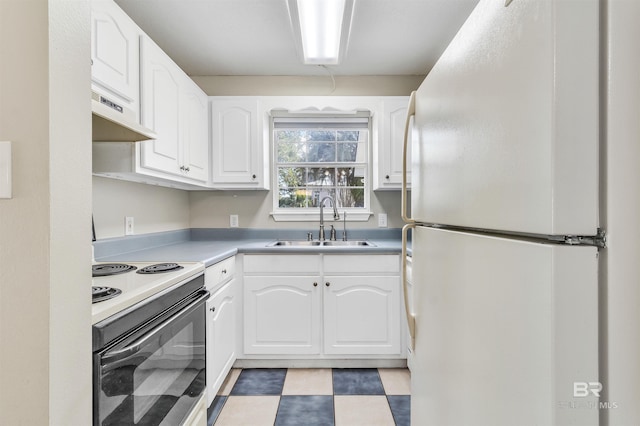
x=313 y=213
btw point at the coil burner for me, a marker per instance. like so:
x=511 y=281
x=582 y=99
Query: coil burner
x=106 y=269
x=159 y=268
x=99 y=294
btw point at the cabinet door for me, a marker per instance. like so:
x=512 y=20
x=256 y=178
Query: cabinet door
x=221 y=337
x=115 y=54
x=361 y=315
x=390 y=144
x=237 y=157
x=282 y=315
x=160 y=109
x=195 y=120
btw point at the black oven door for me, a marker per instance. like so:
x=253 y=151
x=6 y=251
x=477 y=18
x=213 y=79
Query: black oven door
x=156 y=375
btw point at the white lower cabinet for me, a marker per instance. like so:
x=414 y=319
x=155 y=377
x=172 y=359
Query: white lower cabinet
x=282 y=314
x=322 y=310
x=361 y=315
x=221 y=324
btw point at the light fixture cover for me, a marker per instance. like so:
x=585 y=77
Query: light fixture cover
x=323 y=27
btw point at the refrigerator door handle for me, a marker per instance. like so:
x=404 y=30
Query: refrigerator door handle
x=411 y=319
x=411 y=111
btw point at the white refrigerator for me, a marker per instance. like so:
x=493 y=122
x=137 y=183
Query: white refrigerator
x=504 y=220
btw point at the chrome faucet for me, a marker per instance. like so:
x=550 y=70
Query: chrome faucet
x=336 y=216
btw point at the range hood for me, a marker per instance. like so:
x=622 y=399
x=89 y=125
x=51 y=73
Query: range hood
x=115 y=123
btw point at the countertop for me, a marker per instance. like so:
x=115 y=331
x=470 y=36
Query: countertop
x=210 y=247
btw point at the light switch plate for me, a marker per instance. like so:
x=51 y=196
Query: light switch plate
x=382 y=220
x=233 y=221
x=5 y=169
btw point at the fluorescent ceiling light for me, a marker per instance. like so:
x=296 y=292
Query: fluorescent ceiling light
x=323 y=27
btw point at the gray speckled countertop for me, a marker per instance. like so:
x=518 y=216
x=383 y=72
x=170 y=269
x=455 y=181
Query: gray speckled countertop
x=210 y=246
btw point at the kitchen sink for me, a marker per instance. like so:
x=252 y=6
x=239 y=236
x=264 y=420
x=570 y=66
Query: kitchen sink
x=301 y=243
x=354 y=243
x=305 y=243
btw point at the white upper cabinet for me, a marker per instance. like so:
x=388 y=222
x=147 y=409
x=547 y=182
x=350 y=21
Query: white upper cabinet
x=387 y=170
x=115 y=54
x=176 y=109
x=196 y=131
x=239 y=159
x=161 y=109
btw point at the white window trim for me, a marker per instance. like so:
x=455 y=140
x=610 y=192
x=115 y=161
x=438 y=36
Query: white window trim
x=313 y=214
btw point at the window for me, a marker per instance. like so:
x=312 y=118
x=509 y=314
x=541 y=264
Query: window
x=316 y=157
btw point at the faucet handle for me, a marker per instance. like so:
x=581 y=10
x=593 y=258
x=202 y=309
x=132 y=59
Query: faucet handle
x=333 y=233
x=309 y=236
x=344 y=226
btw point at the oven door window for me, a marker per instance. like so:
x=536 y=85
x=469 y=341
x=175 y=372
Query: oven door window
x=157 y=377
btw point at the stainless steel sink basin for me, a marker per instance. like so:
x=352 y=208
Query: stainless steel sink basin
x=355 y=243
x=301 y=243
x=304 y=243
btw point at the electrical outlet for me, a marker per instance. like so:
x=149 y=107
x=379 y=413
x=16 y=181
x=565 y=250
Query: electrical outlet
x=5 y=169
x=382 y=220
x=128 y=225
x=233 y=221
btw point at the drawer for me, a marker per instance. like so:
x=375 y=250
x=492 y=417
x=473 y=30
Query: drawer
x=284 y=263
x=220 y=272
x=359 y=264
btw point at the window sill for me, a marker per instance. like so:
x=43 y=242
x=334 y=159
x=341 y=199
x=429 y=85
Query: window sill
x=280 y=216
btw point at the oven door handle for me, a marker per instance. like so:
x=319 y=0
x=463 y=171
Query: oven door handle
x=120 y=354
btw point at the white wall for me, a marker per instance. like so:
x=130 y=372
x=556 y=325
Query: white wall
x=45 y=355
x=212 y=210
x=154 y=208
x=620 y=269
x=310 y=85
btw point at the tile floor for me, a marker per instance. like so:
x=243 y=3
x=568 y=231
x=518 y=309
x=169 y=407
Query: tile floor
x=323 y=396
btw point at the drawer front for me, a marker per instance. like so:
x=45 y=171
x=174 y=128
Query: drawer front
x=219 y=273
x=356 y=263
x=287 y=263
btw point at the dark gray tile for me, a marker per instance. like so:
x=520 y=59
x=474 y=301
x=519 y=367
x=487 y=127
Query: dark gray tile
x=260 y=381
x=400 y=408
x=357 y=381
x=295 y=410
x=214 y=410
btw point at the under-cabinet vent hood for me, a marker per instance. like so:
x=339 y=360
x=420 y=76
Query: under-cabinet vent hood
x=115 y=123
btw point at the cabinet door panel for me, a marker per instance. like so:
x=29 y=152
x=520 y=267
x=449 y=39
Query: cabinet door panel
x=235 y=140
x=389 y=150
x=282 y=315
x=221 y=337
x=397 y=118
x=161 y=109
x=361 y=315
x=196 y=132
x=115 y=53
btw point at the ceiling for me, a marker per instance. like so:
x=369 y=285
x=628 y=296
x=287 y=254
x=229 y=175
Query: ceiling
x=255 y=37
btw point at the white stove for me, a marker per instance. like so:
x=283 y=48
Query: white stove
x=135 y=286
